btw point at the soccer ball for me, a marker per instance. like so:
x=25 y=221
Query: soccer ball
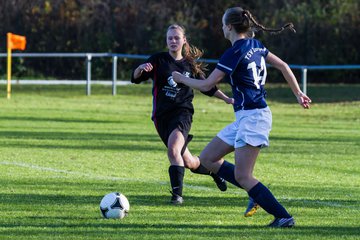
x=114 y=205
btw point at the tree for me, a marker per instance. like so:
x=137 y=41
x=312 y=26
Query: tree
x=327 y=31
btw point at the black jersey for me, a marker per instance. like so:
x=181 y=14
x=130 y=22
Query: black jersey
x=167 y=94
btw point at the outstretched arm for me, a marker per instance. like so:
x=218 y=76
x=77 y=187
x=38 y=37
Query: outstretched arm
x=204 y=85
x=276 y=62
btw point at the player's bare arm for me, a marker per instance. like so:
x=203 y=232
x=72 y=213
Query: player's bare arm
x=276 y=62
x=205 y=85
x=219 y=94
x=147 y=67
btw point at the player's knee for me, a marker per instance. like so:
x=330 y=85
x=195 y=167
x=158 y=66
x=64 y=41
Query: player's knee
x=242 y=178
x=209 y=164
x=206 y=158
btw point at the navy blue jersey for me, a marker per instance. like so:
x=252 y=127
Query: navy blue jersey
x=167 y=94
x=244 y=64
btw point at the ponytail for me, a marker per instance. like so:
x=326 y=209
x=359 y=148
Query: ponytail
x=271 y=30
x=243 y=21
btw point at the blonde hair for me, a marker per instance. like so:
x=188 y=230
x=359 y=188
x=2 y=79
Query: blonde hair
x=191 y=54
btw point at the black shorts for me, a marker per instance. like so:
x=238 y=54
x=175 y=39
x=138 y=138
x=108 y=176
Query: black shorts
x=179 y=119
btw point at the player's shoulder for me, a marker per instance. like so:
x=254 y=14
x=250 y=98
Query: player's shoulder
x=159 y=58
x=248 y=46
x=257 y=42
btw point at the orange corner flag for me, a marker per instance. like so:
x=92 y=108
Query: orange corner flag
x=13 y=42
x=16 y=41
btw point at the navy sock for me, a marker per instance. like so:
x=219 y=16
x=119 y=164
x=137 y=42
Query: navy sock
x=176 y=174
x=227 y=172
x=267 y=201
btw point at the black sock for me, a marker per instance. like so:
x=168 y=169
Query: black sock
x=201 y=170
x=267 y=201
x=176 y=174
x=227 y=172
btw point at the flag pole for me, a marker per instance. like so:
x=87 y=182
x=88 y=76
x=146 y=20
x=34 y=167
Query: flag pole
x=8 y=66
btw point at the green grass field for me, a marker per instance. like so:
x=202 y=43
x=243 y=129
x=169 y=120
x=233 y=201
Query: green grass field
x=62 y=151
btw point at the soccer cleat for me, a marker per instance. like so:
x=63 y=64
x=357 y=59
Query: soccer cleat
x=220 y=182
x=251 y=208
x=176 y=199
x=282 y=223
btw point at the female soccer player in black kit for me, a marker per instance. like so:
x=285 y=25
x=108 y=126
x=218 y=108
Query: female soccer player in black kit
x=172 y=105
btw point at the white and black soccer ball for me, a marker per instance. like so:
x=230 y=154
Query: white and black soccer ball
x=114 y=205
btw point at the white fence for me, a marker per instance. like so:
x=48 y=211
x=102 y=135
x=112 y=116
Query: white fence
x=89 y=56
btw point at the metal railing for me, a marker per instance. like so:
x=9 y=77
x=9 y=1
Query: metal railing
x=88 y=56
x=304 y=69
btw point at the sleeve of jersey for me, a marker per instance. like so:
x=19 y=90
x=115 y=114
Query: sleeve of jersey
x=145 y=75
x=266 y=50
x=225 y=63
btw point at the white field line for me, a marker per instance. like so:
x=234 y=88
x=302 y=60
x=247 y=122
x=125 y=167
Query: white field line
x=91 y=176
x=75 y=173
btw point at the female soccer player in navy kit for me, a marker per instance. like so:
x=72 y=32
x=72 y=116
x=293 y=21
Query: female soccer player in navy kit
x=244 y=63
x=172 y=105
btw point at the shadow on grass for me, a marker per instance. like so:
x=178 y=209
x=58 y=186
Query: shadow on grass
x=145 y=193
x=114 y=147
x=105 y=228
x=60 y=119
x=60 y=201
x=174 y=230
x=44 y=221
x=93 y=141
x=59 y=135
x=137 y=200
